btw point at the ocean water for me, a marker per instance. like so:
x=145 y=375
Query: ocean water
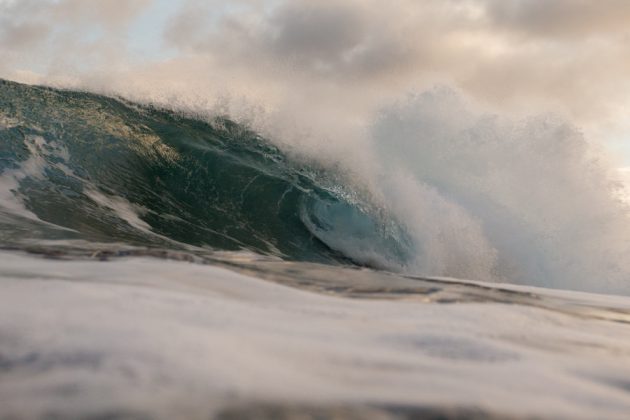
x=160 y=264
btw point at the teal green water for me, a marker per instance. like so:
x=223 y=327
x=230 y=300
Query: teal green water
x=103 y=170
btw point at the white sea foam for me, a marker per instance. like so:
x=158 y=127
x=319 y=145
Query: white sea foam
x=169 y=339
x=33 y=167
x=126 y=211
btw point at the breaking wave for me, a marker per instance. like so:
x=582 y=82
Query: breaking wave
x=448 y=192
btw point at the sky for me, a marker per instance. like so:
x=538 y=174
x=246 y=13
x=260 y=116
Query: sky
x=569 y=57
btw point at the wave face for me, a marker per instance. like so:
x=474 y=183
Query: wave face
x=82 y=167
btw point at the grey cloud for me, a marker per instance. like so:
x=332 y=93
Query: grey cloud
x=323 y=30
x=108 y=13
x=46 y=34
x=186 y=30
x=16 y=35
x=574 y=18
x=339 y=40
x=72 y=12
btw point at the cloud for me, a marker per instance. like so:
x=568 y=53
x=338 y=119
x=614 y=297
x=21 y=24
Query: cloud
x=18 y=35
x=66 y=35
x=523 y=54
x=348 y=57
x=110 y=13
x=560 y=18
x=325 y=38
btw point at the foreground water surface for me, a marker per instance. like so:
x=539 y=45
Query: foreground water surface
x=147 y=337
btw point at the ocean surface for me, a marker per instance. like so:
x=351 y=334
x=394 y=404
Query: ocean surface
x=156 y=264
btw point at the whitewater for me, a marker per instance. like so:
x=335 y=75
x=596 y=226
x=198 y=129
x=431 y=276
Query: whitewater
x=158 y=261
